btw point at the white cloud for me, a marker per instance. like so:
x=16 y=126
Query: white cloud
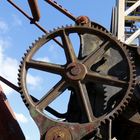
x=3 y=26
x=27 y=138
x=9 y=70
x=21 y=118
x=33 y=80
x=44 y=59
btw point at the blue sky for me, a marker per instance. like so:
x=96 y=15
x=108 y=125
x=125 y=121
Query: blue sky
x=16 y=35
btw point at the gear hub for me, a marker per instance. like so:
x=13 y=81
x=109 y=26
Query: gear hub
x=76 y=71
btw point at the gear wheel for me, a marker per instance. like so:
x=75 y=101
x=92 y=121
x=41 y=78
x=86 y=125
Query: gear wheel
x=85 y=74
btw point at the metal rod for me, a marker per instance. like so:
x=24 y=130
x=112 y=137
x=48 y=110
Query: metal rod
x=61 y=9
x=34 y=9
x=133 y=37
x=110 y=129
x=31 y=19
x=16 y=88
x=51 y=110
x=27 y=16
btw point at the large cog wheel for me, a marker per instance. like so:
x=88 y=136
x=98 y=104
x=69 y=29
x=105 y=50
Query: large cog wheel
x=83 y=72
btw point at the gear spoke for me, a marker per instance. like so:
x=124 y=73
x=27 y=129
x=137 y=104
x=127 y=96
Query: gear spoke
x=105 y=79
x=69 y=50
x=98 y=53
x=52 y=94
x=45 y=66
x=85 y=101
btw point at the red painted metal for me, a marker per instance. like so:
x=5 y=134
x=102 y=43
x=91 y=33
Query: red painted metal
x=9 y=127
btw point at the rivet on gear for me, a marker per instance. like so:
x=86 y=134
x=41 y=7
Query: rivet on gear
x=58 y=133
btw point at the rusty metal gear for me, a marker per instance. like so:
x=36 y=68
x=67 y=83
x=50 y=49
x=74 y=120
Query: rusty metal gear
x=83 y=74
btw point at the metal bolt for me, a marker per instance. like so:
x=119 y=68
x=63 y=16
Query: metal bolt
x=75 y=71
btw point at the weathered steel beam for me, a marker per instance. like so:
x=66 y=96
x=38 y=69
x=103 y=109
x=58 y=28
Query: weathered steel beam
x=61 y=9
x=9 y=127
x=34 y=9
x=32 y=20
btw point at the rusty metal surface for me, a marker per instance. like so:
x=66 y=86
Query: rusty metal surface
x=32 y=20
x=58 y=133
x=76 y=73
x=9 y=127
x=91 y=109
x=34 y=9
x=61 y=9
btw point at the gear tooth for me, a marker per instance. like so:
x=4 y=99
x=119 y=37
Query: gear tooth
x=128 y=99
x=28 y=50
x=32 y=44
x=19 y=70
x=21 y=63
x=126 y=103
x=132 y=60
x=131 y=90
x=35 y=41
x=19 y=74
x=122 y=107
x=54 y=29
x=106 y=121
x=130 y=95
x=115 y=114
x=30 y=47
x=22 y=96
x=39 y=38
x=22 y=60
x=70 y=25
x=19 y=83
x=105 y=97
x=43 y=36
x=62 y=26
x=20 y=66
x=27 y=105
x=20 y=91
x=103 y=122
x=120 y=110
x=50 y=31
x=111 y=117
x=135 y=76
x=25 y=54
x=24 y=100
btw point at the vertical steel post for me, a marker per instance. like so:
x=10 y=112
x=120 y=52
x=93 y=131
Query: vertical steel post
x=121 y=20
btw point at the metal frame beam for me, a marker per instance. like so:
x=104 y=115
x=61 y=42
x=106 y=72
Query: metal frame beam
x=124 y=15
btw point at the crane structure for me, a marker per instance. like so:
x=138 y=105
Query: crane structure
x=125 y=24
x=102 y=78
x=126 y=21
